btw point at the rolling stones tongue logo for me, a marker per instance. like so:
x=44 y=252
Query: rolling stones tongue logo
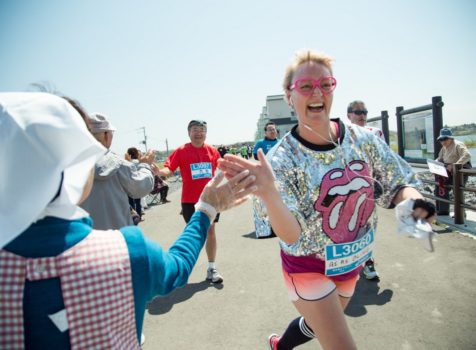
x=346 y=201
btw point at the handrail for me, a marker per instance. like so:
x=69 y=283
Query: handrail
x=417 y=109
x=458 y=187
x=471 y=171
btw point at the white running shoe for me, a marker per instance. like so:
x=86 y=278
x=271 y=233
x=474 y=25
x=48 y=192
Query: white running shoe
x=369 y=272
x=214 y=276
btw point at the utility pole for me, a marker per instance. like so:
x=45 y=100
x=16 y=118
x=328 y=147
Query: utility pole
x=167 y=146
x=145 y=137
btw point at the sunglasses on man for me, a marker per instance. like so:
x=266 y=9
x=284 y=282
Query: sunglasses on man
x=360 y=112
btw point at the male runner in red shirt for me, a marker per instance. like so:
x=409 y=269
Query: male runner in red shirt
x=197 y=162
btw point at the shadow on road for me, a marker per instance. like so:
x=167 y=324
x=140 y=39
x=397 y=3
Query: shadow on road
x=163 y=304
x=367 y=293
x=251 y=235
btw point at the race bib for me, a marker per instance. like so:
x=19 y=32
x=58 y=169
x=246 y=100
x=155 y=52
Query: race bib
x=201 y=170
x=345 y=257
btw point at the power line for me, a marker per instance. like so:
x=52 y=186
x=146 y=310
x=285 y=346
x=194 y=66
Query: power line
x=144 y=142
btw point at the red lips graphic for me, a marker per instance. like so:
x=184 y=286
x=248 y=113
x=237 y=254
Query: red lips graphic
x=346 y=201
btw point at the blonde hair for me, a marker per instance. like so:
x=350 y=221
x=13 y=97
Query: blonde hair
x=304 y=56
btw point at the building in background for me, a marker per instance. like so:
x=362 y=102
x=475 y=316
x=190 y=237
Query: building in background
x=278 y=111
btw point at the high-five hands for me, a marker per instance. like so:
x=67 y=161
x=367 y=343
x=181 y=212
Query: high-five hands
x=217 y=197
x=232 y=165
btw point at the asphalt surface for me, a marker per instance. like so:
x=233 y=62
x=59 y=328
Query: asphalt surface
x=422 y=301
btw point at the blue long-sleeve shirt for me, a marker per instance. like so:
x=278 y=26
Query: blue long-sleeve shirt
x=266 y=144
x=154 y=271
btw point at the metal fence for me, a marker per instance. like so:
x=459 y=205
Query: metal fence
x=458 y=188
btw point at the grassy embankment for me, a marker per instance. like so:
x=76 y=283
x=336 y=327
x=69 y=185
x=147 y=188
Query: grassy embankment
x=470 y=143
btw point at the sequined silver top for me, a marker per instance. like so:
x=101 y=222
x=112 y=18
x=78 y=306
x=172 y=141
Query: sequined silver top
x=332 y=190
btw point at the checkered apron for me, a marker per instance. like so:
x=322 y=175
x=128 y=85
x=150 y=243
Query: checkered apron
x=96 y=284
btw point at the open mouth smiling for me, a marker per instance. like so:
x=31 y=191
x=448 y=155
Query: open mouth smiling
x=315 y=107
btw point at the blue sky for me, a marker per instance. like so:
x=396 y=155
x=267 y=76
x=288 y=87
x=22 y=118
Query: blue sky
x=159 y=64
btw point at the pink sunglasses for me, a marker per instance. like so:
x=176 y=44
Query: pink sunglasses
x=307 y=86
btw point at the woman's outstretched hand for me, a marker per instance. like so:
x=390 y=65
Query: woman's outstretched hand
x=285 y=225
x=232 y=165
x=229 y=194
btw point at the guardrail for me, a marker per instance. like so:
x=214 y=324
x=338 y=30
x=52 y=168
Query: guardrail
x=458 y=187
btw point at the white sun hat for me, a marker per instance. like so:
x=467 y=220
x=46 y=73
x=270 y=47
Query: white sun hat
x=47 y=153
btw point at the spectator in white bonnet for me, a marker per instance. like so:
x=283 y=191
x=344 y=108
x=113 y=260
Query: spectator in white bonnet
x=63 y=284
x=114 y=180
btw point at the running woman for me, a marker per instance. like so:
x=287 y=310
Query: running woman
x=319 y=186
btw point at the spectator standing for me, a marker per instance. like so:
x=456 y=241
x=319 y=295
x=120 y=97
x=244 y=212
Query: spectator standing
x=114 y=180
x=135 y=203
x=197 y=162
x=452 y=152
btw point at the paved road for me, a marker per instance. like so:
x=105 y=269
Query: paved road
x=423 y=301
